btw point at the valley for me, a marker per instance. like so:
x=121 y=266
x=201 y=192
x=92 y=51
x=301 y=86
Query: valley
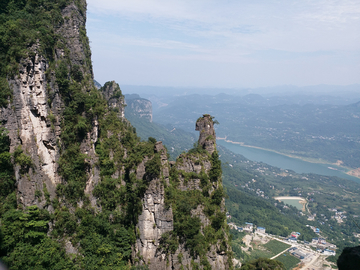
x=318 y=132
x=332 y=202
x=94 y=177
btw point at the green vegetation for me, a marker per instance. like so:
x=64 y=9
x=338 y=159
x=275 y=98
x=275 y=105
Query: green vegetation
x=288 y=260
x=325 y=192
x=25 y=244
x=188 y=229
x=23 y=160
x=258 y=253
x=263 y=264
x=311 y=131
x=276 y=246
x=5 y=92
x=22 y=25
x=215 y=171
x=7 y=175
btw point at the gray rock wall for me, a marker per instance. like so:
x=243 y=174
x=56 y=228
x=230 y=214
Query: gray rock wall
x=207 y=138
x=156 y=219
x=34 y=126
x=33 y=118
x=139 y=107
x=112 y=93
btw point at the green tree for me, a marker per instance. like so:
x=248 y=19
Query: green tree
x=215 y=171
x=263 y=264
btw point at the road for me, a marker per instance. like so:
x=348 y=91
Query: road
x=309 y=264
x=281 y=252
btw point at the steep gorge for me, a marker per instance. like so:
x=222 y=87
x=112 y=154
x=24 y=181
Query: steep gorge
x=82 y=182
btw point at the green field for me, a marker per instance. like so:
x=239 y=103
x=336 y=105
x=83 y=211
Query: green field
x=257 y=253
x=276 y=247
x=289 y=261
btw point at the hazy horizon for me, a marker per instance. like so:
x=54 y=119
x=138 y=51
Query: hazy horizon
x=228 y=44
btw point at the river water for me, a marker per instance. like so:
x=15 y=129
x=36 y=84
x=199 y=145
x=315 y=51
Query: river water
x=285 y=162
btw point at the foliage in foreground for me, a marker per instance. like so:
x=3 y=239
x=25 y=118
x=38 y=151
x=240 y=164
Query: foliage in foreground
x=263 y=264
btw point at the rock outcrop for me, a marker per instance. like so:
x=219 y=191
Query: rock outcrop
x=34 y=127
x=349 y=258
x=157 y=217
x=82 y=160
x=33 y=119
x=207 y=139
x=138 y=107
x=112 y=93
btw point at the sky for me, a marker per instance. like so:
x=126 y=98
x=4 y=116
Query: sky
x=227 y=43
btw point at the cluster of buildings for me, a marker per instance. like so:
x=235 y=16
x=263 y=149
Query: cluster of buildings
x=323 y=247
x=319 y=243
x=293 y=237
x=339 y=216
x=311 y=217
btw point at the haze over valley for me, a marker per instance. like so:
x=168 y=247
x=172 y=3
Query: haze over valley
x=172 y=135
x=322 y=194
x=319 y=127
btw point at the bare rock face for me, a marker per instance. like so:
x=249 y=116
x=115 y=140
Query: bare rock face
x=156 y=217
x=207 y=138
x=34 y=127
x=139 y=107
x=112 y=93
x=33 y=118
x=74 y=35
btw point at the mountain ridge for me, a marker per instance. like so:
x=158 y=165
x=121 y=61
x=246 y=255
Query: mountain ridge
x=80 y=180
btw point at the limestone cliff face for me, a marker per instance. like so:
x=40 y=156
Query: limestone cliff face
x=207 y=137
x=33 y=119
x=138 y=107
x=157 y=217
x=34 y=127
x=87 y=156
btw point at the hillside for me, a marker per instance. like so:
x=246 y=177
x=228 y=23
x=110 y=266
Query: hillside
x=308 y=130
x=78 y=188
x=252 y=201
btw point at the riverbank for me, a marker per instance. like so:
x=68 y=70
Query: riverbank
x=347 y=170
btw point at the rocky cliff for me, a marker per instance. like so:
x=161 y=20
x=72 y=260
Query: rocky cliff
x=84 y=183
x=138 y=107
x=187 y=202
x=34 y=116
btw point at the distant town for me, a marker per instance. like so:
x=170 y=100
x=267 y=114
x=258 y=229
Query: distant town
x=308 y=252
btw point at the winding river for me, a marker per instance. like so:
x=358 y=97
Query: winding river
x=285 y=162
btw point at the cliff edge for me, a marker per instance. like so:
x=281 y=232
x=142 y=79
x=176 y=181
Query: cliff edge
x=77 y=182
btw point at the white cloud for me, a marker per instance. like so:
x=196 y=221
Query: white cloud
x=237 y=32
